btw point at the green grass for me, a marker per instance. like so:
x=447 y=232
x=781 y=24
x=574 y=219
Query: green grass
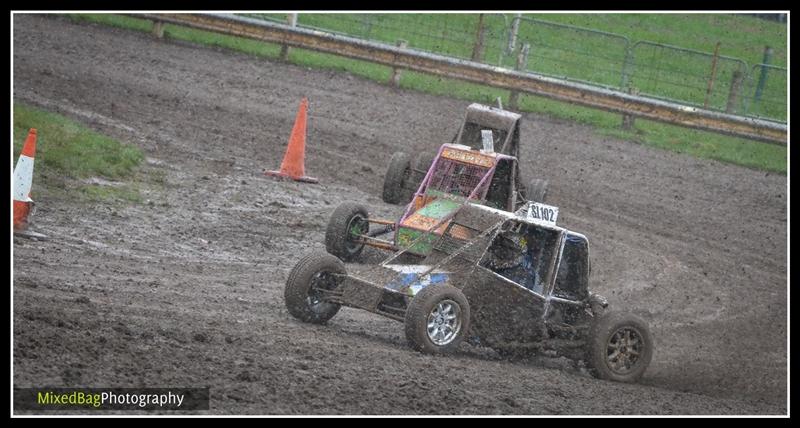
x=67 y=152
x=739 y=35
x=661 y=71
x=695 y=143
x=95 y=193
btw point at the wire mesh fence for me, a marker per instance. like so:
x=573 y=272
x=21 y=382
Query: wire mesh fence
x=274 y=17
x=673 y=73
x=478 y=37
x=686 y=75
x=570 y=52
x=765 y=92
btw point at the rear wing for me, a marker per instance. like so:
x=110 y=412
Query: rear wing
x=491 y=117
x=480 y=117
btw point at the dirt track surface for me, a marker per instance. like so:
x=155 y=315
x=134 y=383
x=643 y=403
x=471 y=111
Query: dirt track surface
x=187 y=289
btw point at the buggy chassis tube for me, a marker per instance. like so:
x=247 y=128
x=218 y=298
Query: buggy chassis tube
x=370 y=237
x=363 y=294
x=375 y=242
x=359 y=293
x=380 y=231
x=381 y=221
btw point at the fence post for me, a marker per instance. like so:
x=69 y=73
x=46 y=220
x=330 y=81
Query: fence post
x=626 y=65
x=762 y=78
x=713 y=75
x=627 y=120
x=158 y=29
x=291 y=19
x=477 y=51
x=733 y=94
x=522 y=64
x=394 y=80
x=368 y=25
x=512 y=35
x=625 y=84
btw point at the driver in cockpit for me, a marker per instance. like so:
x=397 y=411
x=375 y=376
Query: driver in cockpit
x=513 y=257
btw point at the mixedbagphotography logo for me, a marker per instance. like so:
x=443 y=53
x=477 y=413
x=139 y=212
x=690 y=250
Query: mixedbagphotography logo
x=111 y=398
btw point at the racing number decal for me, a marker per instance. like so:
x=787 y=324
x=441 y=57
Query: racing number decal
x=543 y=212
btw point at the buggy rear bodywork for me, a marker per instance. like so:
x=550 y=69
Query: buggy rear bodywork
x=504 y=124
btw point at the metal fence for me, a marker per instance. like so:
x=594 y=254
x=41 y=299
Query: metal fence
x=672 y=73
x=571 y=52
x=686 y=75
x=765 y=91
x=477 y=37
x=443 y=66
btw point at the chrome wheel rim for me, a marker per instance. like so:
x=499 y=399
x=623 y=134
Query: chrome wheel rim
x=444 y=322
x=624 y=350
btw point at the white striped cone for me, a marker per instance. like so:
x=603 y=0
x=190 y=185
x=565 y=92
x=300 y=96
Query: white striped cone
x=23 y=181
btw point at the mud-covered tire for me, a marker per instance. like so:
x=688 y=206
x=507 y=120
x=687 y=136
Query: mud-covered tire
x=628 y=336
x=394 y=182
x=314 y=269
x=536 y=190
x=424 y=310
x=347 y=218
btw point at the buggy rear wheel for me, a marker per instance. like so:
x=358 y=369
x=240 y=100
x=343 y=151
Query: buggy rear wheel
x=309 y=280
x=395 y=181
x=437 y=319
x=619 y=347
x=348 y=221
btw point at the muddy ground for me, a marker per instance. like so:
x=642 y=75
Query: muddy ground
x=186 y=288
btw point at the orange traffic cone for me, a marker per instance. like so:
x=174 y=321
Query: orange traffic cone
x=293 y=165
x=23 y=180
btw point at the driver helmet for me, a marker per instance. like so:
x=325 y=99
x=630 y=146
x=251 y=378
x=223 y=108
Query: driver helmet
x=510 y=251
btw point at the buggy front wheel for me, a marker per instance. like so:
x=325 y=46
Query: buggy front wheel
x=311 y=278
x=437 y=319
x=619 y=347
x=348 y=221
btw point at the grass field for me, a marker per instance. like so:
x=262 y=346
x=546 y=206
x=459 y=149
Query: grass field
x=67 y=153
x=666 y=59
x=695 y=143
x=739 y=36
